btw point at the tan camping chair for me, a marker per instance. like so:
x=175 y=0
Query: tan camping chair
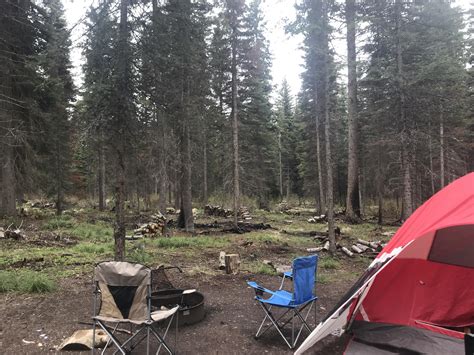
x=123 y=295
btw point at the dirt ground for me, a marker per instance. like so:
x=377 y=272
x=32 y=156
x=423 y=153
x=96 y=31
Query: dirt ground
x=66 y=248
x=36 y=324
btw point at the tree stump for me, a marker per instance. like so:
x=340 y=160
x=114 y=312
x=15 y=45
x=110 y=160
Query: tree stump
x=222 y=260
x=232 y=263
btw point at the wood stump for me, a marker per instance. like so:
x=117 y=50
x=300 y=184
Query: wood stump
x=232 y=263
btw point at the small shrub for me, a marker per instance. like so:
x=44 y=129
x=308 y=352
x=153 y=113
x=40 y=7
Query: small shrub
x=329 y=264
x=261 y=268
x=323 y=279
x=140 y=257
x=91 y=248
x=25 y=282
x=59 y=222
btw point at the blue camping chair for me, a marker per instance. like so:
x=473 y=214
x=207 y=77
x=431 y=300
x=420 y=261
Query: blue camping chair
x=303 y=275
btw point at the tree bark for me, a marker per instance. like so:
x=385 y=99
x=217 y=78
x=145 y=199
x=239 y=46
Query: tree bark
x=234 y=114
x=280 y=170
x=352 y=201
x=119 y=227
x=327 y=129
x=430 y=148
x=204 y=173
x=407 y=208
x=321 y=199
x=7 y=161
x=7 y=180
x=186 y=186
x=101 y=177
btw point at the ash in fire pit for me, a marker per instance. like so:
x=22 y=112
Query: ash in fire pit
x=191 y=303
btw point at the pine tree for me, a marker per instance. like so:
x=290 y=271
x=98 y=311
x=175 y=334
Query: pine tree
x=57 y=93
x=288 y=142
x=258 y=145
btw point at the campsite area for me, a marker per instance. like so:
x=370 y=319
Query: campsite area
x=47 y=274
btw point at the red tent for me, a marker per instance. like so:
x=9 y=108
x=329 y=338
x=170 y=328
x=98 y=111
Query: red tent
x=421 y=283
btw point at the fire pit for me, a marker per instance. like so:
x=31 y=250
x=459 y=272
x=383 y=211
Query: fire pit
x=191 y=305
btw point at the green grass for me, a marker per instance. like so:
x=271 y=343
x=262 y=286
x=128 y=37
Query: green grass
x=260 y=268
x=59 y=222
x=329 y=264
x=186 y=242
x=99 y=231
x=92 y=248
x=25 y=281
x=323 y=279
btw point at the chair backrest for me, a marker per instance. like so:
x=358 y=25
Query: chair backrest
x=124 y=289
x=304 y=273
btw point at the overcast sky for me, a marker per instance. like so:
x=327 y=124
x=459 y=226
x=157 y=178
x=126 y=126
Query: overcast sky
x=287 y=56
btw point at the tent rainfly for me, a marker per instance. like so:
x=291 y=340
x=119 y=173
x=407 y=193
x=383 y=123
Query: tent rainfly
x=418 y=294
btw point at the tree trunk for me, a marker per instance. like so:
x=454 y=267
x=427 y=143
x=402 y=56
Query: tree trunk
x=7 y=180
x=380 y=197
x=430 y=148
x=59 y=186
x=327 y=130
x=101 y=173
x=204 y=173
x=235 y=119
x=7 y=161
x=405 y=140
x=280 y=180
x=441 y=151
x=352 y=202
x=119 y=227
x=360 y=177
x=185 y=167
x=322 y=204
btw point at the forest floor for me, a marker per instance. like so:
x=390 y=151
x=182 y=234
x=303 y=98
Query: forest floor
x=57 y=254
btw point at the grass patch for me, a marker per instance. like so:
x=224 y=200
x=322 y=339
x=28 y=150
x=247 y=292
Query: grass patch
x=260 y=268
x=59 y=222
x=183 y=242
x=329 y=264
x=323 y=279
x=99 y=232
x=91 y=248
x=25 y=281
x=140 y=257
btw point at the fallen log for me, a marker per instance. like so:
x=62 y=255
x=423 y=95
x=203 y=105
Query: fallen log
x=314 y=234
x=363 y=242
x=362 y=247
x=314 y=250
x=347 y=252
x=356 y=249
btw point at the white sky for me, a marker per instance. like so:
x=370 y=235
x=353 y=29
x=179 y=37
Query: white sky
x=287 y=56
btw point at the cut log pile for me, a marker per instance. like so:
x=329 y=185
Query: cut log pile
x=150 y=229
x=318 y=219
x=217 y=211
x=220 y=211
x=364 y=247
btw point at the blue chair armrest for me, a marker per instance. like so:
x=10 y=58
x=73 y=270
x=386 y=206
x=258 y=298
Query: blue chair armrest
x=288 y=274
x=259 y=288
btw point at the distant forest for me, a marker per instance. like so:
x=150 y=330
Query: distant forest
x=177 y=106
